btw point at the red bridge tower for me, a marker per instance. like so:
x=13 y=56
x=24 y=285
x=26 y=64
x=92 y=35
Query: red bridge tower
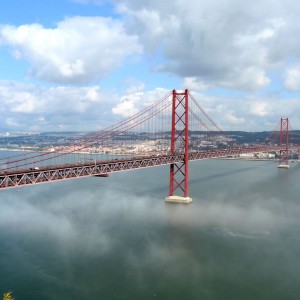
x=179 y=172
x=284 y=141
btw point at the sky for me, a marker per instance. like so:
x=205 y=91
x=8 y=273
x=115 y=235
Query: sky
x=84 y=64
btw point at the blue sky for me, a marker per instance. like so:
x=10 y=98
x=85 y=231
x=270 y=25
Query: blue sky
x=49 y=12
x=83 y=64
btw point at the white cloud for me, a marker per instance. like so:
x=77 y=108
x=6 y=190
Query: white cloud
x=127 y=104
x=208 y=44
x=255 y=113
x=135 y=99
x=232 y=119
x=250 y=79
x=231 y=44
x=78 y=50
x=32 y=107
x=193 y=83
x=25 y=99
x=126 y=107
x=292 y=79
x=260 y=109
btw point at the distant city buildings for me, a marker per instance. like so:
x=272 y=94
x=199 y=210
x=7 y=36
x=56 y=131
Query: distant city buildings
x=129 y=143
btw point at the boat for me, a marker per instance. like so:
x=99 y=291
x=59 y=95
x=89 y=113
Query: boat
x=283 y=166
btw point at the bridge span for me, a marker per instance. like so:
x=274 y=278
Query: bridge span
x=22 y=177
x=167 y=124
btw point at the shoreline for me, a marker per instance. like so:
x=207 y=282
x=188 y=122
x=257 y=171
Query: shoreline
x=76 y=152
x=117 y=154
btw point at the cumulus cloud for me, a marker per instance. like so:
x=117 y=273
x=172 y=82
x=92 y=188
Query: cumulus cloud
x=232 y=44
x=126 y=107
x=193 y=83
x=33 y=107
x=250 y=113
x=38 y=108
x=78 y=50
x=292 y=79
x=135 y=99
x=261 y=109
x=232 y=119
x=41 y=108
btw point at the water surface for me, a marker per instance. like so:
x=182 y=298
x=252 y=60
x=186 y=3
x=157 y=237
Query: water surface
x=115 y=238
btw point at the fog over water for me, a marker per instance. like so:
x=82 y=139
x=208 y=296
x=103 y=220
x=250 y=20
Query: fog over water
x=115 y=238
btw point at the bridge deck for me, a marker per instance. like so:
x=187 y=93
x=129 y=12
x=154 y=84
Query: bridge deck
x=22 y=177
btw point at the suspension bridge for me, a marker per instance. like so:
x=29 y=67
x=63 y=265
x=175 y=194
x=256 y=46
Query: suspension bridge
x=168 y=132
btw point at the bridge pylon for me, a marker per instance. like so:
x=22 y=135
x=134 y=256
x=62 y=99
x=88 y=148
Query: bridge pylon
x=284 y=141
x=179 y=172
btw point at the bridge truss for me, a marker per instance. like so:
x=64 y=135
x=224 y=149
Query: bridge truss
x=103 y=169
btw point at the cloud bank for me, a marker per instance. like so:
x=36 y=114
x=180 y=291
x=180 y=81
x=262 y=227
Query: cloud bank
x=231 y=44
x=78 y=50
x=39 y=108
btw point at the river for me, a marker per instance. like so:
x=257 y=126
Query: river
x=115 y=238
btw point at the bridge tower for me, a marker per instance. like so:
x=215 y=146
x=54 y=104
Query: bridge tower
x=179 y=172
x=284 y=141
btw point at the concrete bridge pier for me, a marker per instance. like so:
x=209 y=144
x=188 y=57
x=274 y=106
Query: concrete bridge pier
x=179 y=199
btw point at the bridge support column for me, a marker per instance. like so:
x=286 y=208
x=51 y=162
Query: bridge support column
x=179 y=172
x=284 y=141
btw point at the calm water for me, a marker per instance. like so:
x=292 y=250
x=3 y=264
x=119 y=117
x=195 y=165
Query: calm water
x=115 y=238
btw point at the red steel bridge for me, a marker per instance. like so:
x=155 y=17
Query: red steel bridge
x=168 y=132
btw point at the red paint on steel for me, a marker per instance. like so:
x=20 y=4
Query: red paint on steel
x=18 y=178
x=172 y=147
x=179 y=172
x=186 y=147
x=284 y=141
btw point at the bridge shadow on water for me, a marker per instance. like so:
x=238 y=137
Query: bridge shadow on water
x=201 y=180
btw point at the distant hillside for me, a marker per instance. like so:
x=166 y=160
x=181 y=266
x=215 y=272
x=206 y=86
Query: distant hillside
x=257 y=137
